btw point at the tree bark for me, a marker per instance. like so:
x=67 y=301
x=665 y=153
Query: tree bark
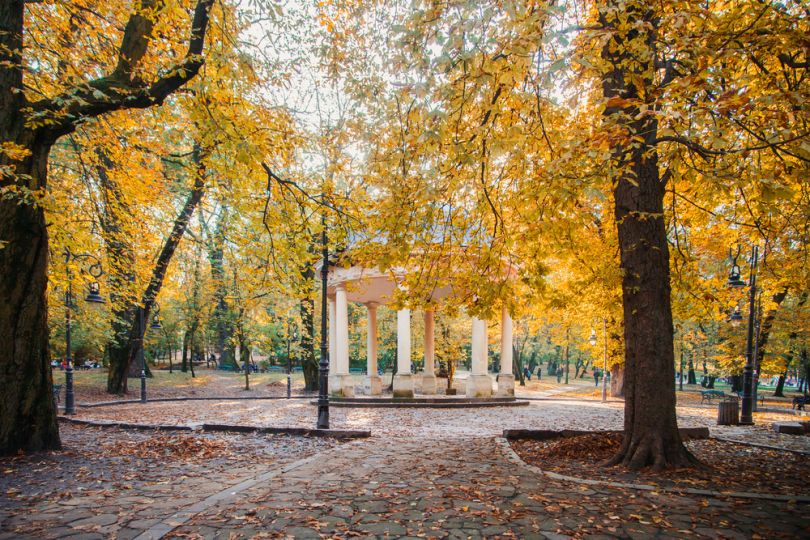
x=27 y=412
x=651 y=436
x=125 y=364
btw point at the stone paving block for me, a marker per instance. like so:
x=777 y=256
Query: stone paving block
x=789 y=428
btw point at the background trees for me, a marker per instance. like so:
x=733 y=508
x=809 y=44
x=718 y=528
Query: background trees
x=612 y=155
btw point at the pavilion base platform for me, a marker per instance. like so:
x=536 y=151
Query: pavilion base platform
x=506 y=385
x=372 y=385
x=341 y=385
x=435 y=402
x=428 y=386
x=479 y=386
x=403 y=385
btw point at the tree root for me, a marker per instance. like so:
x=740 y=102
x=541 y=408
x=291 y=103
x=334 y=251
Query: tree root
x=650 y=451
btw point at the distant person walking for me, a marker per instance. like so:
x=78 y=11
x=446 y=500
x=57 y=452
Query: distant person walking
x=559 y=374
x=596 y=375
x=539 y=372
x=527 y=374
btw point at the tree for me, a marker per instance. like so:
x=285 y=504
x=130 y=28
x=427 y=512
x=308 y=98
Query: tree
x=651 y=434
x=28 y=130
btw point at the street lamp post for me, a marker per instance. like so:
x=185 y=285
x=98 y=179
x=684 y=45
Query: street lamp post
x=323 y=365
x=155 y=325
x=734 y=280
x=95 y=270
x=141 y=357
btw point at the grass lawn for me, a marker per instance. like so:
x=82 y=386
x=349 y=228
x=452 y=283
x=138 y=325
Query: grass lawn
x=90 y=385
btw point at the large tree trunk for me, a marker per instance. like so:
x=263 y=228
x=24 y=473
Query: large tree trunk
x=651 y=434
x=27 y=412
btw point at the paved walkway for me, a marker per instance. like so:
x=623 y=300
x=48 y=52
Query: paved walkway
x=424 y=473
x=466 y=488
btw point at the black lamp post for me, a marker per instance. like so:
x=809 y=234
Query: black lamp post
x=292 y=336
x=735 y=280
x=323 y=365
x=93 y=297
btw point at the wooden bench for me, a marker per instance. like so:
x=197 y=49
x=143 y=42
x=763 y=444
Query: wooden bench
x=709 y=395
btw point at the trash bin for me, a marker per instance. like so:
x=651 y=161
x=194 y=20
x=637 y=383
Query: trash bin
x=728 y=412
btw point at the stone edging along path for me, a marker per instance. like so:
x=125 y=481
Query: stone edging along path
x=513 y=456
x=333 y=433
x=183 y=398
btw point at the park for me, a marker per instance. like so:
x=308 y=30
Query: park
x=522 y=269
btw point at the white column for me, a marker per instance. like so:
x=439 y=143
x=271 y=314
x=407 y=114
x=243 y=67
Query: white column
x=403 y=383
x=373 y=383
x=506 y=377
x=332 y=334
x=404 y=341
x=429 y=371
x=479 y=347
x=430 y=351
x=371 y=341
x=342 y=324
x=506 y=342
x=340 y=382
x=479 y=383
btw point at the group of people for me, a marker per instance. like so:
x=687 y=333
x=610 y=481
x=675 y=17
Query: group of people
x=87 y=364
x=527 y=373
x=559 y=372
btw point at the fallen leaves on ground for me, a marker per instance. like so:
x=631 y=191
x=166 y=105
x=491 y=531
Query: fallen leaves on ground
x=185 y=447
x=731 y=466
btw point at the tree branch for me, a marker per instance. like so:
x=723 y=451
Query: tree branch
x=60 y=115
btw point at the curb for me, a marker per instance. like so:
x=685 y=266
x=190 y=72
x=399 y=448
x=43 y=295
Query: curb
x=546 y=434
x=305 y=432
x=765 y=446
x=513 y=457
x=424 y=405
x=134 y=401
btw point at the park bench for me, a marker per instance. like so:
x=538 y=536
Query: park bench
x=799 y=402
x=760 y=397
x=57 y=389
x=709 y=395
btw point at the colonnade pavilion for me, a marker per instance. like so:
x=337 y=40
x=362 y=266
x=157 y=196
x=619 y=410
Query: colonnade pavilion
x=372 y=288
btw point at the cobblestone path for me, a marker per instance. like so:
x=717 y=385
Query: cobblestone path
x=466 y=488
